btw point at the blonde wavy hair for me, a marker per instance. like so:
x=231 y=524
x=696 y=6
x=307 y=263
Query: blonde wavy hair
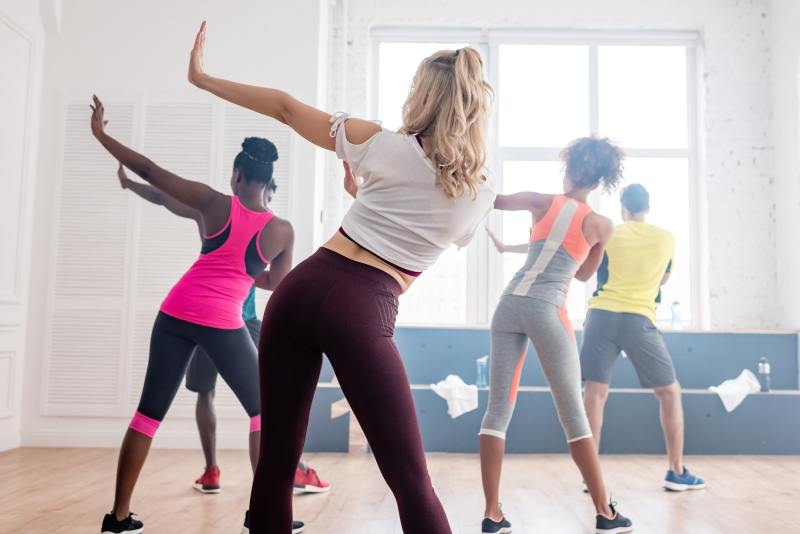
x=449 y=103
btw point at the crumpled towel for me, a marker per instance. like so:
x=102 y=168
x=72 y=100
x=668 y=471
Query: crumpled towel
x=732 y=392
x=461 y=398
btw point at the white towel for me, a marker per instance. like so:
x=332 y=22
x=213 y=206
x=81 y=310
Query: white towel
x=732 y=392
x=461 y=398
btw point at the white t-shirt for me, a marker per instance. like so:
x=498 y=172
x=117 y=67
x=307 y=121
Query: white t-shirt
x=400 y=214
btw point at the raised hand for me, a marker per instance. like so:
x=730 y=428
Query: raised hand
x=498 y=244
x=98 y=122
x=196 y=71
x=350 y=180
x=123 y=177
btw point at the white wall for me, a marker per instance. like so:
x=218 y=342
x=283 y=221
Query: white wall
x=785 y=45
x=21 y=42
x=123 y=48
x=738 y=161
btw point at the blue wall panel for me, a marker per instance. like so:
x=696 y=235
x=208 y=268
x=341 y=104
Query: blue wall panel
x=701 y=359
x=763 y=424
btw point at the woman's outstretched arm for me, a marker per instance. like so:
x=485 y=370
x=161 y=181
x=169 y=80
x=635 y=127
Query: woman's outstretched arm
x=154 y=196
x=308 y=121
x=193 y=194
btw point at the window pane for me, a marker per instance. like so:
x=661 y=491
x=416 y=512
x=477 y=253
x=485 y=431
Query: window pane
x=543 y=95
x=397 y=63
x=643 y=95
x=541 y=177
x=439 y=296
x=667 y=181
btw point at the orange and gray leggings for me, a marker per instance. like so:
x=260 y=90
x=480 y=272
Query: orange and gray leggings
x=516 y=320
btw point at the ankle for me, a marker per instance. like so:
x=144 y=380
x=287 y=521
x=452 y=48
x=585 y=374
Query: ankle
x=676 y=468
x=121 y=517
x=493 y=512
x=606 y=511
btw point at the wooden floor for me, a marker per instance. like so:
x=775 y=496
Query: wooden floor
x=66 y=491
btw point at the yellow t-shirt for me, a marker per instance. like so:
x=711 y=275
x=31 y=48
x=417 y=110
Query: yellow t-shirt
x=629 y=278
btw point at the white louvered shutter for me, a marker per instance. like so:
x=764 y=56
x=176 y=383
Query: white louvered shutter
x=87 y=291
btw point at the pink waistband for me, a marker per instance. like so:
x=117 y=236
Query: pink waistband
x=144 y=425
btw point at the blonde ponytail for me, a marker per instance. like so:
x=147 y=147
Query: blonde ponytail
x=449 y=103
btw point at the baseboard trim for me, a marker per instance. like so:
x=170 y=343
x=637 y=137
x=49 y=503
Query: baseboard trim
x=10 y=441
x=164 y=439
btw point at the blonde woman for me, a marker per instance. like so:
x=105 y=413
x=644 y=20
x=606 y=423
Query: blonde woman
x=423 y=189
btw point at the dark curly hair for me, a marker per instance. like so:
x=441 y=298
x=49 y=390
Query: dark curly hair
x=256 y=159
x=591 y=161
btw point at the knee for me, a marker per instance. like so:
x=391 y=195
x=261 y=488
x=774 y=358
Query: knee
x=205 y=400
x=595 y=393
x=670 y=393
x=496 y=420
x=144 y=425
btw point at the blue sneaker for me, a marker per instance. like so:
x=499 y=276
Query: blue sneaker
x=617 y=525
x=683 y=482
x=496 y=527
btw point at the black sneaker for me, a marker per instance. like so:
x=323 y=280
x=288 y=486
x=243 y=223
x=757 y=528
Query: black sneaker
x=297 y=526
x=129 y=525
x=617 y=525
x=495 y=527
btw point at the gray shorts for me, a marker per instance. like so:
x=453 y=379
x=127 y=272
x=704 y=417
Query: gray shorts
x=201 y=376
x=607 y=333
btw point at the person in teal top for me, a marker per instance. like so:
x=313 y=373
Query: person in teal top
x=201 y=376
x=249 y=306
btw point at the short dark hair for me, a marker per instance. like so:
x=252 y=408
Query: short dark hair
x=255 y=161
x=591 y=161
x=635 y=198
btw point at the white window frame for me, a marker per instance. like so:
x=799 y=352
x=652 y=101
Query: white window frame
x=484 y=266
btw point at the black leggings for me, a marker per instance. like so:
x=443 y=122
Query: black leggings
x=171 y=346
x=347 y=310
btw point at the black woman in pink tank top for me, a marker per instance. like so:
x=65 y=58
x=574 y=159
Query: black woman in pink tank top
x=241 y=238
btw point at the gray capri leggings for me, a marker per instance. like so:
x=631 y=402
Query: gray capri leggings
x=515 y=321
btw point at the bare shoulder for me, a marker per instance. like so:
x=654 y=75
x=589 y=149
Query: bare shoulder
x=604 y=225
x=359 y=131
x=280 y=227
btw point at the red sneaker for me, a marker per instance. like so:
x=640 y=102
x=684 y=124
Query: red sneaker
x=307 y=481
x=209 y=482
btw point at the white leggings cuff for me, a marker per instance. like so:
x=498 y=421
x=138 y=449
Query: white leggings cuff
x=490 y=432
x=573 y=440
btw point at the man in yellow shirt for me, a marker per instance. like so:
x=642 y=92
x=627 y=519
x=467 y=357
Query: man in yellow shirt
x=622 y=314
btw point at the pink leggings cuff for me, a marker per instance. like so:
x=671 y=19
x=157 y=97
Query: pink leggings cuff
x=255 y=423
x=144 y=425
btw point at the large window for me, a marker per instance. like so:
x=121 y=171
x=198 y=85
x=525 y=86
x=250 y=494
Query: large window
x=552 y=88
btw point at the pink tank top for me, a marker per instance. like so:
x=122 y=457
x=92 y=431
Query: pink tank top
x=212 y=291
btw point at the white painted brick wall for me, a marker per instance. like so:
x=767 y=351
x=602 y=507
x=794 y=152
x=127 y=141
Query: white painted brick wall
x=737 y=100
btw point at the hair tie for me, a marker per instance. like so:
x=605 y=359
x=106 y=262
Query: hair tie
x=246 y=153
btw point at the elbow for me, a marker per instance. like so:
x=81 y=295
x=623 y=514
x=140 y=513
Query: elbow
x=583 y=277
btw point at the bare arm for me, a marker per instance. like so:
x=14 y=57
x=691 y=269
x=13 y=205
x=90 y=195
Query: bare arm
x=193 y=194
x=502 y=247
x=154 y=196
x=525 y=201
x=308 y=121
x=595 y=257
x=667 y=274
x=281 y=260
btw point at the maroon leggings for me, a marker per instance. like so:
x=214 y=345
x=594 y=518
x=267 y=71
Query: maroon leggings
x=347 y=310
